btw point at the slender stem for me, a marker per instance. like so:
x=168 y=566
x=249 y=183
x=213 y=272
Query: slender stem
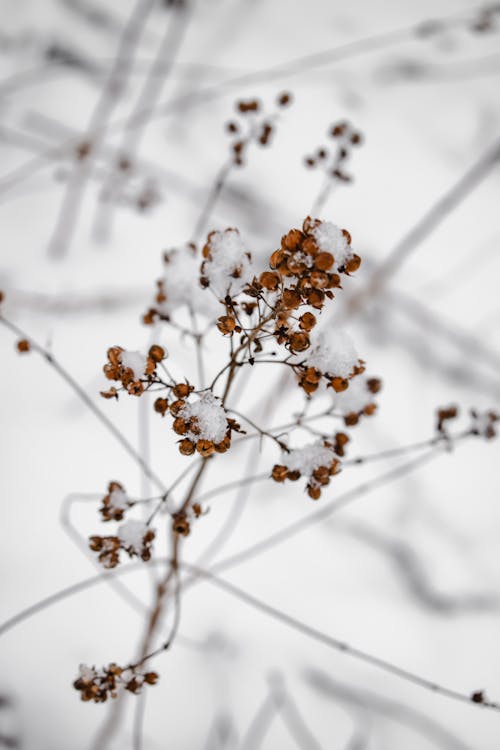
x=83 y=396
x=337 y=644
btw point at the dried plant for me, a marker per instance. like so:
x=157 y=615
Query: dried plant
x=230 y=311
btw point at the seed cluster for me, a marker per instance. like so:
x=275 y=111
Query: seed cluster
x=109 y=547
x=317 y=462
x=118 y=368
x=115 y=503
x=303 y=274
x=252 y=126
x=333 y=163
x=203 y=425
x=98 y=685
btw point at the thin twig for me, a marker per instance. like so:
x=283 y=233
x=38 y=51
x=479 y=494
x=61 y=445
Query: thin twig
x=83 y=396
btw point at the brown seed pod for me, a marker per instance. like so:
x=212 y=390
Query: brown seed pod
x=277 y=258
x=319 y=279
x=308 y=387
x=323 y=261
x=180 y=524
x=114 y=355
x=182 y=390
x=352 y=264
x=111 y=393
x=226 y=324
x=309 y=224
x=284 y=99
x=292 y=240
x=161 y=405
x=291 y=299
x=307 y=321
x=310 y=246
x=279 y=473
x=23 y=346
x=156 y=353
x=299 y=342
x=269 y=280
x=224 y=445
x=186 y=447
x=374 y=385
x=351 y=419
x=347 y=235
x=339 y=384
x=313 y=492
x=205 y=447
x=316 y=298
x=179 y=426
x=136 y=388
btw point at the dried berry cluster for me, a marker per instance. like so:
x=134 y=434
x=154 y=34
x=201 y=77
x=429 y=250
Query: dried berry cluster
x=308 y=268
x=181 y=521
x=133 y=370
x=373 y=386
x=305 y=269
x=115 y=503
x=253 y=125
x=100 y=684
x=443 y=416
x=482 y=424
x=235 y=260
x=203 y=425
x=333 y=162
x=318 y=462
x=134 y=537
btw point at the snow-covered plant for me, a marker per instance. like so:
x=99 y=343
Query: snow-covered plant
x=230 y=310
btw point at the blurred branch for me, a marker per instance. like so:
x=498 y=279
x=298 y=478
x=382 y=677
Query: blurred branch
x=427 y=225
x=90 y=142
x=85 y=398
x=410 y=569
x=377 y=704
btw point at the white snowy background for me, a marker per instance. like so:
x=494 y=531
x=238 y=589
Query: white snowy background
x=428 y=107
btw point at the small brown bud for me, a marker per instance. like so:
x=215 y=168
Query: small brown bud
x=176 y=407
x=226 y=324
x=205 y=447
x=161 y=405
x=279 y=473
x=179 y=426
x=323 y=261
x=23 y=346
x=269 y=280
x=182 y=390
x=284 y=99
x=186 y=447
x=352 y=264
x=156 y=353
x=313 y=492
x=299 y=342
x=339 y=384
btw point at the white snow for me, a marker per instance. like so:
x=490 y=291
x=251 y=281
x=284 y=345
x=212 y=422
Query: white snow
x=211 y=416
x=134 y=361
x=87 y=673
x=308 y=458
x=132 y=533
x=228 y=256
x=181 y=284
x=331 y=240
x=118 y=499
x=354 y=398
x=332 y=351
